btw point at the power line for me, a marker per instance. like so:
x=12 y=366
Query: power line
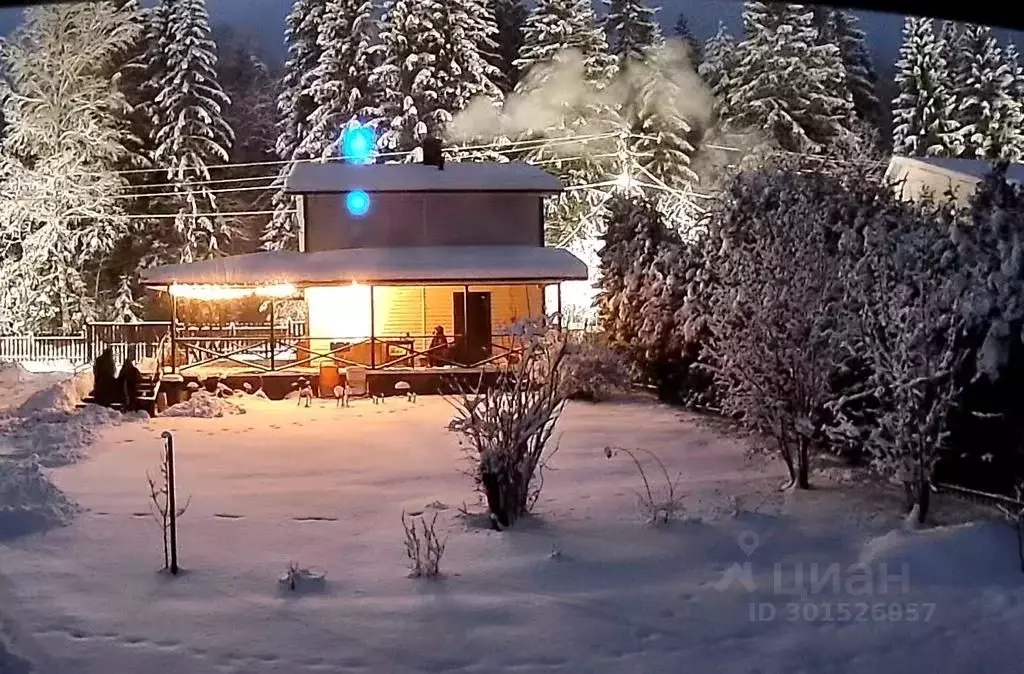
x=497 y=146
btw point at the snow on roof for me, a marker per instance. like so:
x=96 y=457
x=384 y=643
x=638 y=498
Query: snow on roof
x=973 y=169
x=412 y=265
x=335 y=177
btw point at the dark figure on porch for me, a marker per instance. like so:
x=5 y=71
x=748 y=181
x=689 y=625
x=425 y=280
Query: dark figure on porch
x=128 y=386
x=104 y=379
x=438 y=350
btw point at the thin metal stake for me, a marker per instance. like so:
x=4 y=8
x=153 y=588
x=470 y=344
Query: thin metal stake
x=171 y=505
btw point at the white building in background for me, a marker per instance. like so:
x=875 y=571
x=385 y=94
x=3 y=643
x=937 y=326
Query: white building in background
x=916 y=177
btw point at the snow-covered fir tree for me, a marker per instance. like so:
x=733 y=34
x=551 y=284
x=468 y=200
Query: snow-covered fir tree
x=554 y=26
x=252 y=88
x=509 y=16
x=841 y=29
x=295 y=105
x=193 y=133
x=924 y=110
x=472 y=34
x=632 y=28
x=717 y=66
x=434 y=60
x=682 y=32
x=565 y=61
x=988 y=115
x=786 y=82
x=340 y=86
x=660 y=146
x=61 y=219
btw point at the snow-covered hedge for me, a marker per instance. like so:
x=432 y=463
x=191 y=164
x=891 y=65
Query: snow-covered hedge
x=835 y=315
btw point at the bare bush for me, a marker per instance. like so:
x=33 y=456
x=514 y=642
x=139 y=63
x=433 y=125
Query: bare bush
x=593 y=371
x=423 y=547
x=664 y=507
x=507 y=426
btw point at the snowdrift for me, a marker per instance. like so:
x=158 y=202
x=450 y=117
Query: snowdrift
x=46 y=430
x=204 y=405
x=981 y=553
x=29 y=502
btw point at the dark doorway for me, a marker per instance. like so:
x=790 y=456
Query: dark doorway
x=473 y=322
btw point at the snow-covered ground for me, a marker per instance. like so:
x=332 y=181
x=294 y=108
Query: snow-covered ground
x=582 y=587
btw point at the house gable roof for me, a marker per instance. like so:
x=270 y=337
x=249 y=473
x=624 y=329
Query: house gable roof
x=338 y=177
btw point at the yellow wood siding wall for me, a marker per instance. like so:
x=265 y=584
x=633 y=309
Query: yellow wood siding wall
x=418 y=310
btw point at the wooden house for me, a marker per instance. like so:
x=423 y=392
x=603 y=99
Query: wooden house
x=388 y=255
x=917 y=177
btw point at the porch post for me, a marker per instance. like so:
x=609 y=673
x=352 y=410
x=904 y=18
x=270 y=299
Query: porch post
x=273 y=336
x=558 y=304
x=174 y=337
x=373 y=332
x=465 y=325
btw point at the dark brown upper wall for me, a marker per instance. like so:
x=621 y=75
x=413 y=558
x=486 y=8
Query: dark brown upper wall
x=424 y=219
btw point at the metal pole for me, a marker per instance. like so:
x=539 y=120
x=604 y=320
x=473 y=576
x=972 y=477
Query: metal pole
x=171 y=505
x=273 y=341
x=373 y=339
x=174 y=340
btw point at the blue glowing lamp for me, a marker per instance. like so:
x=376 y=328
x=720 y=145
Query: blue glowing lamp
x=357 y=144
x=357 y=203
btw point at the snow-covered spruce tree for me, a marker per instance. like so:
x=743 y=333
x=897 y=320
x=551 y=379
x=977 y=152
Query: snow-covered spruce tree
x=472 y=40
x=632 y=28
x=681 y=29
x=252 y=88
x=924 y=110
x=58 y=190
x=776 y=331
x=717 y=67
x=988 y=116
x=509 y=16
x=433 y=63
x=565 y=65
x=192 y=132
x=660 y=146
x=295 y=105
x=841 y=29
x=637 y=296
x=786 y=82
x=340 y=85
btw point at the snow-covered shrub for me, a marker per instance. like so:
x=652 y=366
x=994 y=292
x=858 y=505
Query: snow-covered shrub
x=507 y=426
x=593 y=371
x=777 y=327
x=660 y=509
x=424 y=548
x=905 y=288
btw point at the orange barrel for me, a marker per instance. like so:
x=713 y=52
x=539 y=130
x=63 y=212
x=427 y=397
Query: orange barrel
x=329 y=378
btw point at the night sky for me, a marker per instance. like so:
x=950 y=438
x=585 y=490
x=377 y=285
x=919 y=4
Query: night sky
x=264 y=20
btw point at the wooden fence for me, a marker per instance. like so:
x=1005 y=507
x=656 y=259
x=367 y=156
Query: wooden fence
x=126 y=340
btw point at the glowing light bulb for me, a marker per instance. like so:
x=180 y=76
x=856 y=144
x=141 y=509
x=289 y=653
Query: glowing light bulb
x=623 y=180
x=357 y=144
x=357 y=203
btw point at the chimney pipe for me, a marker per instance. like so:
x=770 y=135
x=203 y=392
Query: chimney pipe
x=432 y=154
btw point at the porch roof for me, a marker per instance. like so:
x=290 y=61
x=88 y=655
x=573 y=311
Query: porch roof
x=434 y=265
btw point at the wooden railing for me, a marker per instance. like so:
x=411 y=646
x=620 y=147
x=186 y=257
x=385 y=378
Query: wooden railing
x=283 y=351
